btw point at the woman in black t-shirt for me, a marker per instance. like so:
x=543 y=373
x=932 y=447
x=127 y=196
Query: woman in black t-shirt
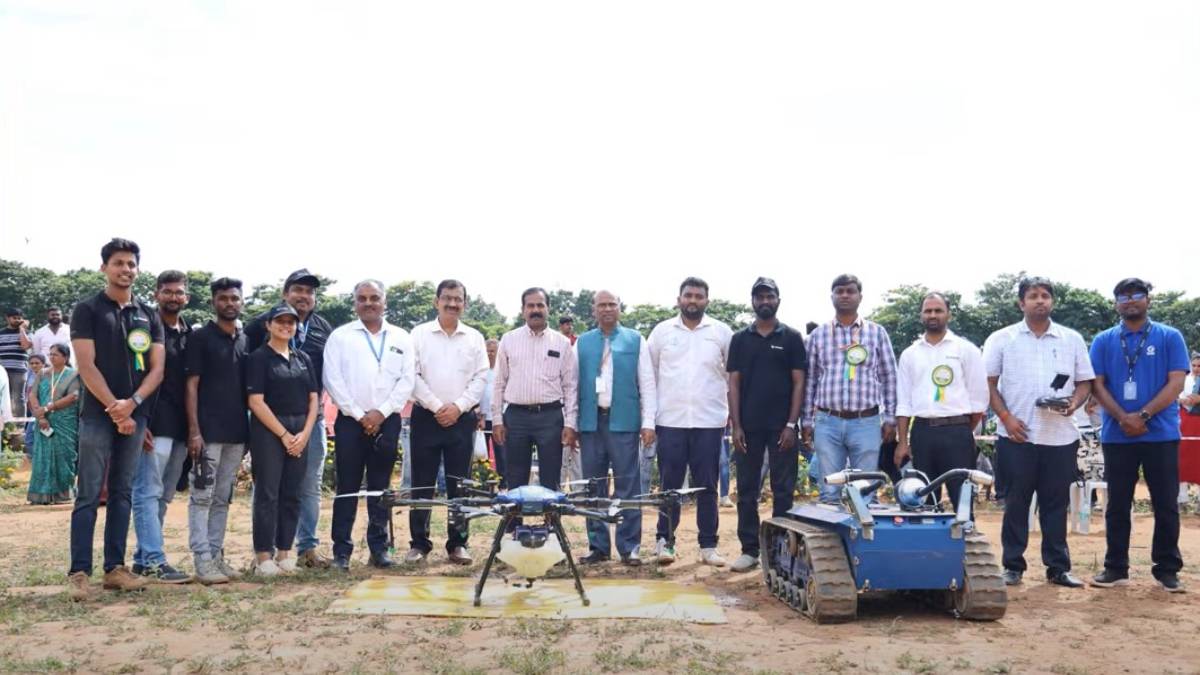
x=282 y=389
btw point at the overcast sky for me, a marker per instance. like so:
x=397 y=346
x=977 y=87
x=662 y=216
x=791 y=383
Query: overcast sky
x=608 y=144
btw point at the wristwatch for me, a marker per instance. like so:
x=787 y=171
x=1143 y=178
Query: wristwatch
x=794 y=426
x=1145 y=415
x=137 y=400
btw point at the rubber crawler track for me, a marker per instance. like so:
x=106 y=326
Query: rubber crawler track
x=830 y=595
x=983 y=596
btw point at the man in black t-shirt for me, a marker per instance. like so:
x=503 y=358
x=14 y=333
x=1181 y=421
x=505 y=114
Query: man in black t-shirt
x=767 y=364
x=217 y=428
x=118 y=345
x=300 y=293
x=159 y=467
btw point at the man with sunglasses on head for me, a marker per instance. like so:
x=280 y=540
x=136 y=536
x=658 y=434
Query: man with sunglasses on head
x=369 y=373
x=1140 y=368
x=300 y=293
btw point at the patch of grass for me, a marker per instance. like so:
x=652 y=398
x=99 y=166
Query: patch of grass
x=961 y=663
x=536 y=629
x=999 y=668
x=451 y=628
x=1067 y=669
x=613 y=659
x=835 y=662
x=915 y=664
x=537 y=661
x=11 y=662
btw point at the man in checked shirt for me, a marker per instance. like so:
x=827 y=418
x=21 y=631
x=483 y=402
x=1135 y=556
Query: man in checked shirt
x=851 y=394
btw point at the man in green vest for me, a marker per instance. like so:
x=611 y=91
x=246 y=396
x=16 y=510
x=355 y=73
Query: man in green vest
x=617 y=399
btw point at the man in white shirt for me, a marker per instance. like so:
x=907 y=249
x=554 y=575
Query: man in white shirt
x=1029 y=362
x=689 y=354
x=485 y=408
x=941 y=394
x=617 y=400
x=55 y=332
x=451 y=373
x=369 y=375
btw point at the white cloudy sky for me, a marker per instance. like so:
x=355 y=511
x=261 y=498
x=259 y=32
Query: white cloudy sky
x=619 y=144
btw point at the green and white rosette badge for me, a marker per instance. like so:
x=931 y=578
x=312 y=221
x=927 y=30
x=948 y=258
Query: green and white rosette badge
x=139 y=342
x=942 y=376
x=856 y=355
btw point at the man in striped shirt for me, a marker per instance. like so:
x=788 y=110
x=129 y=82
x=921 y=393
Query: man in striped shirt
x=850 y=404
x=536 y=395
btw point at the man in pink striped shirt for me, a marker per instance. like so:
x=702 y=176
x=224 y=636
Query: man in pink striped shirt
x=535 y=397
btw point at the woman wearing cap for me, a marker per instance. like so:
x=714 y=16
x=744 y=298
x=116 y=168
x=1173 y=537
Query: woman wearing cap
x=282 y=388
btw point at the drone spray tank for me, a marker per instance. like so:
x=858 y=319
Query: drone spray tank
x=531 y=552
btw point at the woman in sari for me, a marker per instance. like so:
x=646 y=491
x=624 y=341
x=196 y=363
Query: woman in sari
x=55 y=406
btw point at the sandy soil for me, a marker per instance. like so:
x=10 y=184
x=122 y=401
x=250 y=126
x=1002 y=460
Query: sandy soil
x=280 y=625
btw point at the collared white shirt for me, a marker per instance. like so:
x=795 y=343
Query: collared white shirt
x=485 y=401
x=451 y=368
x=690 y=377
x=1026 y=365
x=359 y=382
x=647 y=390
x=967 y=392
x=44 y=337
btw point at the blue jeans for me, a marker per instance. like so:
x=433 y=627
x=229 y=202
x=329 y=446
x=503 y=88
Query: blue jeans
x=101 y=450
x=600 y=450
x=310 y=489
x=153 y=488
x=839 y=442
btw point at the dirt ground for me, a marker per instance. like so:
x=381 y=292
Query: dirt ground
x=280 y=625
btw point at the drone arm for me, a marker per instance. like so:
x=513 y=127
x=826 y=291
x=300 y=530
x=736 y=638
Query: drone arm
x=587 y=513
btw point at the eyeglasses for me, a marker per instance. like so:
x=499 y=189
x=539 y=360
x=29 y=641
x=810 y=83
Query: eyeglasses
x=1128 y=297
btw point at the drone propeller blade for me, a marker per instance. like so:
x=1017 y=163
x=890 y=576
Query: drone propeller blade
x=468 y=482
x=361 y=493
x=688 y=491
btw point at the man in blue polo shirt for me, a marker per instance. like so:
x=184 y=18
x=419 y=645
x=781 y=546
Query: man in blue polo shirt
x=1140 y=367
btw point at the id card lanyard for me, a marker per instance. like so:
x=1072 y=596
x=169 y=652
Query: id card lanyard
x=1131 y=361
x=382 y=345
x=607 y=353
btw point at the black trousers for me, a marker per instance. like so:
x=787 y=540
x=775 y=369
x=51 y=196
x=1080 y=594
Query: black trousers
x=433 y=444
x=1048 y=470
x=783 y=466
x=1160 y=467
x=357 y=452
x=277 y=479
x=526 y=430
x=937 y=450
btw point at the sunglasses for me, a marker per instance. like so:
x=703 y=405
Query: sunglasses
x=1128 y=297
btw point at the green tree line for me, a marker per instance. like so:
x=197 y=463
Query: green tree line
x=35 y=289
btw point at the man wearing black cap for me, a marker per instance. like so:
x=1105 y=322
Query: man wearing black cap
x=300 y=292
x=1140 y=368
x=767 y=364
x=14 y=356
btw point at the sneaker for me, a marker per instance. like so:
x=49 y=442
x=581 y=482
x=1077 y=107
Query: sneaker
x=139 y=570
x=633 y=558
x=286 y=565
x=266 y=568
x=726 y=502
x=461 y=555
x=1109 y=579
x=664 y=554
x=709 y=556
x=593 y=558
x=163 y=574
x=226 y=569
x=79 y=586
x=313 y=560
x=744 y=563
x=208 y=573
x=120 y=578
x=1012 y=577
x=1170 y=583
x=414 y=555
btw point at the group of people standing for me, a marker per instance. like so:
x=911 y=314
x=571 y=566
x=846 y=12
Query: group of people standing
x=153 y=390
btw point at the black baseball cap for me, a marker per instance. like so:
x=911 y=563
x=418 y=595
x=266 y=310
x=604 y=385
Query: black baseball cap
x=764 y=282
x=302 y=276
x=1133 y=284
x=282 y=309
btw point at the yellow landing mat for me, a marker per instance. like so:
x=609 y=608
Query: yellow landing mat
x=553 y=598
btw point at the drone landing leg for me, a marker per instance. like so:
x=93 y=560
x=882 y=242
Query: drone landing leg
x=566 y=547
x=487 y=565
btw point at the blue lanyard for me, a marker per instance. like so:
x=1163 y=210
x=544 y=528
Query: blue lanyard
x=297 y=341
x=1131 y=360
x=377 y=354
